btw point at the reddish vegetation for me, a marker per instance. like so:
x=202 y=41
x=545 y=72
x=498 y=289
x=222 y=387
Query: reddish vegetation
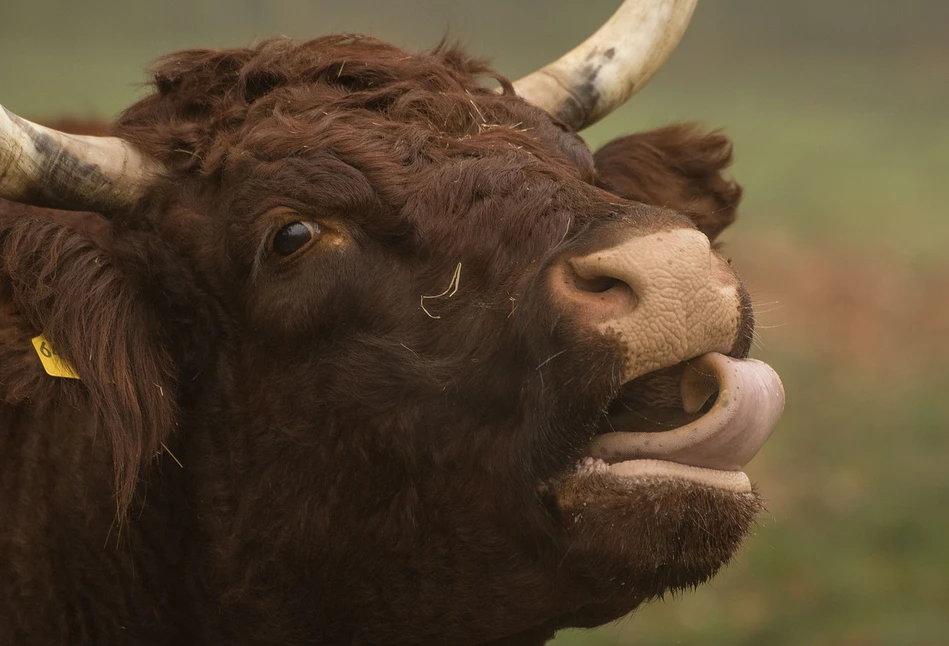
x=852 y=308
x=75 y=126
x=351 y=470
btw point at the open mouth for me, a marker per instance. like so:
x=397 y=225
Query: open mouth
x=701 y=421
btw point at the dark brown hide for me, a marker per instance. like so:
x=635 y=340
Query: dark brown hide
x=364 y=458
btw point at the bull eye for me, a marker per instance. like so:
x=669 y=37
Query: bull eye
x=292 y=237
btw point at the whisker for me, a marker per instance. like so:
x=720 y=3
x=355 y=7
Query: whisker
x=699 y=372
x=549 y=359
x=757 y=341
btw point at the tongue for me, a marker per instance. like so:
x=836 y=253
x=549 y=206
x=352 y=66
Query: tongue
x=750 y=401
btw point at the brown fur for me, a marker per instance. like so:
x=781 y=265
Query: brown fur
x=355 y=469
x=679 y=167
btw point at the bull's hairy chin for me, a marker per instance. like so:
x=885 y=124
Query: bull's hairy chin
x=635 y=540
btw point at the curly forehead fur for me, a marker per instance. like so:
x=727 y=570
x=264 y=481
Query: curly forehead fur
x=272 y=100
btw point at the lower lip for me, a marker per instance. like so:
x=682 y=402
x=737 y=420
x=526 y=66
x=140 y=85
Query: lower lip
x=730 y=481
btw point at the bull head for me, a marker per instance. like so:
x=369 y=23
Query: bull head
x=383 y=356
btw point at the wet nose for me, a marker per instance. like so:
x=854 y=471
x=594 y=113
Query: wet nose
x=666 y=297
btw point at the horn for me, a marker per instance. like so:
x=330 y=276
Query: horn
x=595 y=78
x=44 y=167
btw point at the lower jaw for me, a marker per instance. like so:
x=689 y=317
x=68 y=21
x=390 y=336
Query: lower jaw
x=728 y=481
x=638 y=537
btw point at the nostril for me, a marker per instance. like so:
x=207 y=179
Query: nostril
x=596 y=291
x=596 y=285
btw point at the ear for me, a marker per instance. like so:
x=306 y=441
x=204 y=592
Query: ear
x=679 y=167
x=120 y=309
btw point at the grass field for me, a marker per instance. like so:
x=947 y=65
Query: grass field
x=840 y=116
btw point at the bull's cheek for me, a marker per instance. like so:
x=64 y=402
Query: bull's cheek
x=631 y=540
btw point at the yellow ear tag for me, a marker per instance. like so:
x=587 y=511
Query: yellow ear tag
x=53 y=364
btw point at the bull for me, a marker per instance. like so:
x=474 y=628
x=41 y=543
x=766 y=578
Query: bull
x=333 y=343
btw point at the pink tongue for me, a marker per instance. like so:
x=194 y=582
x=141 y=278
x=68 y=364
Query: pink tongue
x=750 y=401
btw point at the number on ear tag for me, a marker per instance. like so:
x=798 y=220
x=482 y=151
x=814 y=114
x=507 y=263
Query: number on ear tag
x=53 y=364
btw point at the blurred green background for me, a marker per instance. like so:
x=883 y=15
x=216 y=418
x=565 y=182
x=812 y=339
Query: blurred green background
x=839 y=111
